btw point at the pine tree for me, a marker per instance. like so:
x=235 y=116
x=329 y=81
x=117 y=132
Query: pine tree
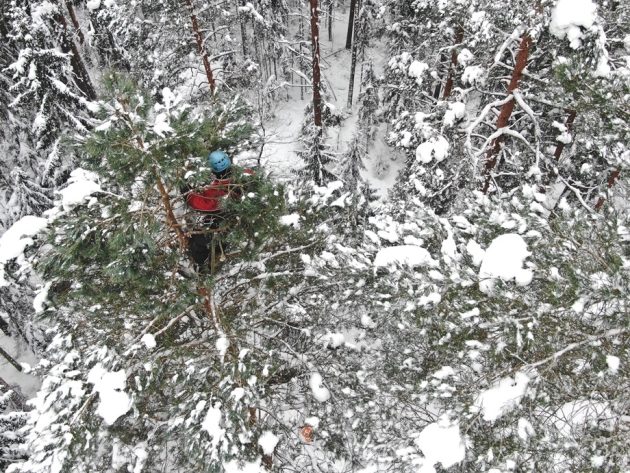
x=12 y=419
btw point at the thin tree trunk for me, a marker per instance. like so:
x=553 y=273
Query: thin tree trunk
x=201 y=49
x=569 y=125
x=330 y=19
x=10 y=359
x=353 y=62
x=317 y=98
x=350 y=24
x=75 y=21
x=612 y=179
x=507 y=109
x=243 y=29
x=82 y=78
x=448 y=88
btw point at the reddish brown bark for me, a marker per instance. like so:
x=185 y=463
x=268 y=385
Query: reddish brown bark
x=82 y=78
x=75 y=21
x=611 y=182
x=569 y=125
x=171 y=220
x=317 y=98
x=448 y=88
x=201 y=49
x=508 y=108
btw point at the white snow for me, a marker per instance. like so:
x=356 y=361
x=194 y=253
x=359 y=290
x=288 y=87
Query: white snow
x=40 y=298
x=473 y=75
x=212 y=425
x=417 y=70
x=435 y=147
x=569 y=17
x=334 y=340
x=248 y=467
x=465 y=56
x=161 y=125
x=475 y=251
x=441 y=442
x=409 y=255
x=320 y=392
x=525 y=429
x=456 y=110
x=312 y=421
x=82 y=184
x=93 y=4
x=148 y=340
x=367 y=321
x=110 y=385
x=504 y=260
x=222 y=345
x=575 y=414
x=444 y=372
x=613 y=363
x=14 y=241
x=268 y=442
x=292 y=220
x=502 y=397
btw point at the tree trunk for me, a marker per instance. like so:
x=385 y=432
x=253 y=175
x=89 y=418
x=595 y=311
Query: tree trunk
x=75 y=21
x=350 y=24
x=507 y=109
x=243 y=29
x=82 y=78
x=569 y=125
x=10 y=359
x=201 y=49
x=330 y=19
x=611 y=182
x=353 y=62
x=317 y=98
x=448 y=88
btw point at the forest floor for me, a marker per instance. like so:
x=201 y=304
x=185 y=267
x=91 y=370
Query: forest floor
x=282 y=131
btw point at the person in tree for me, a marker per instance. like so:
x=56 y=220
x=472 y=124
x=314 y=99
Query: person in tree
x=210 y=201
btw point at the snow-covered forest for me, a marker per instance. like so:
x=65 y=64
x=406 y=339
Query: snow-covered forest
x=422 y=260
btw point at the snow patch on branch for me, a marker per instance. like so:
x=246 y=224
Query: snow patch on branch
x=15 y=240
x=504 y=260
x=114 y=402
x=569 y=17
x=409 y=255
x=502 y=397
x=441 y=442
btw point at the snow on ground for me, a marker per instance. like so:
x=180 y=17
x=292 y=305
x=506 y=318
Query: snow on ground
x=29 y=384
x=504 y=260
x=280 y=153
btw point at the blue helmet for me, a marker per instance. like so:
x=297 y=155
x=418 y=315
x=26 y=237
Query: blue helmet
x=219 y=161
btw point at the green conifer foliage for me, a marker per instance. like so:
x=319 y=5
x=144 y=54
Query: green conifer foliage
x=120 y=271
